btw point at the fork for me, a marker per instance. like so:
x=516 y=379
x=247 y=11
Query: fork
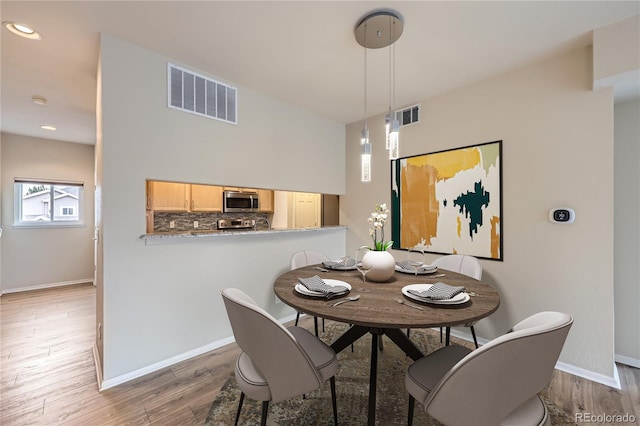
x=402 y=302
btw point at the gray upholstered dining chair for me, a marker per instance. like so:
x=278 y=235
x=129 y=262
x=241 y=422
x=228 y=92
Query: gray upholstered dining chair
x=276 y=363
x=462 y=264
x=497 y=384
x=304 y=258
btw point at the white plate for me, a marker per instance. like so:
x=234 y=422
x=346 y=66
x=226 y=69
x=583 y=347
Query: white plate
x=455 y=300
x=303 y=290
x=423 y=272
x=340 y=268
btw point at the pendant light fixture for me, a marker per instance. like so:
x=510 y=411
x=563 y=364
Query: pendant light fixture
x=365 y=156
x=376 y=30
x=393 y=134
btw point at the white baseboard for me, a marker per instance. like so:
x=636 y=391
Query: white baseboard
x=627 y=360
x=613 y=382
x=43 y=286
x=465 y=336
x=123 y=378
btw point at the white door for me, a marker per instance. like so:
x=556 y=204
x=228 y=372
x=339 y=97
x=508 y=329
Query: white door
x=306 y=210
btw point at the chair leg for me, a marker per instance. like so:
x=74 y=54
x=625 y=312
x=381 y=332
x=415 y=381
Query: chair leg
x=473 y=333
x=447 y=336
x=408 y=332
x=315 y=324
x=265 y=410
x=323 y=325
x=380 y=347
x=239 y=408
x=412 y=403
x=440 y=334
x=297 y=318
x=332 y=381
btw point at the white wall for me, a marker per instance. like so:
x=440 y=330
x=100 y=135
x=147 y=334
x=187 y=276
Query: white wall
x=162 y=301
x=627 y=231
x=557 y=151
x=616 y=58
x=616 y=48
x=51 y=256
x=1 y=221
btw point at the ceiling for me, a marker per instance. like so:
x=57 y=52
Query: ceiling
x=301 y=52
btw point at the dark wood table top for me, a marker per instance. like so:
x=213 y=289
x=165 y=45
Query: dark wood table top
x=377 y=306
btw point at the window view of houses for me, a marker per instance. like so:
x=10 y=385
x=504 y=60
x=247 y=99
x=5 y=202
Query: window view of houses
x=49 y=203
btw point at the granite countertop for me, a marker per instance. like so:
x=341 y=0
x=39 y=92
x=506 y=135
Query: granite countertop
x=215 y=233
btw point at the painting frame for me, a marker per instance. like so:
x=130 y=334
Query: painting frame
x=449 y=201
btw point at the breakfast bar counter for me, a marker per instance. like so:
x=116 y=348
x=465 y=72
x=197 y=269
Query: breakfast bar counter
x=169 y=237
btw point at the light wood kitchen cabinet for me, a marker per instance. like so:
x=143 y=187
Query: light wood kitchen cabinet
x=266 y=200
x=167 y=196
x=183 y=197
x=206 y=198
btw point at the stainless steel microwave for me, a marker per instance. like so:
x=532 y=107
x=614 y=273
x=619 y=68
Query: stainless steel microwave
x=241 y=202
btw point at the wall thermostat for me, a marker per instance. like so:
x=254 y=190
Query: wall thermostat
x=562 y=215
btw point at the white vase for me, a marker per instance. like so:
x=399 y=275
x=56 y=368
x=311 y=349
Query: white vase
x=382 y=263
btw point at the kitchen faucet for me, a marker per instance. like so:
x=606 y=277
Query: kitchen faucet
x=260 y=220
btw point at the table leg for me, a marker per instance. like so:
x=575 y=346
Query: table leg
x=397 y=336
x=404 y=343
x=371 y=421
x=348 y=337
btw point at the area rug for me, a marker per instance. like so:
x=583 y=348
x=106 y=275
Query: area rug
x=352 y=387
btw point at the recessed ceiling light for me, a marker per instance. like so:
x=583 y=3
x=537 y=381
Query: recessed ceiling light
x=39 y=100
x=47 y=127
x=22 y=30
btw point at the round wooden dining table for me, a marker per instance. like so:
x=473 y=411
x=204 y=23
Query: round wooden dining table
x=379 y=312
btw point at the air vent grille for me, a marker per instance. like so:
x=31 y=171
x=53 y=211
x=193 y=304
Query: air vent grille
x=197 y=94
x=408 y=115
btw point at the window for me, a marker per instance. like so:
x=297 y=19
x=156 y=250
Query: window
x=46 y=203
x=67 y=211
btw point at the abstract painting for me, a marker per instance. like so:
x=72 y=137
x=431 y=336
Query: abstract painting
x=449 y=202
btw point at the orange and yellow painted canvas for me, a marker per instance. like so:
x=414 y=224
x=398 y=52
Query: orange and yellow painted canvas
x=449 y=201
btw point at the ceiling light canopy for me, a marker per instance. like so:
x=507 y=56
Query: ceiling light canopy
x=22 y=30
x=379 y=29
x=47 y=127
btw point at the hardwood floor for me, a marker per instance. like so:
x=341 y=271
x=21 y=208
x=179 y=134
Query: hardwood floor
x=47 y=374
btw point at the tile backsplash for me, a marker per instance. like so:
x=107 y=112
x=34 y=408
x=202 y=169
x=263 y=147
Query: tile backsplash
x=206 y=220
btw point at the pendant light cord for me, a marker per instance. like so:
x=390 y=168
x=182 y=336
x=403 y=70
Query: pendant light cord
x=391 y=33
x=393 y=53
x=365 y=76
